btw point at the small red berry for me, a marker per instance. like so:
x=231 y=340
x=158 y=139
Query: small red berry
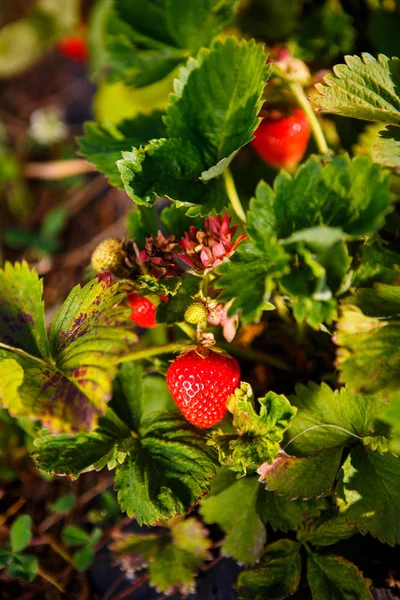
x=74 y=47
x=200 y=386
x=282 y=140
x=143 y=311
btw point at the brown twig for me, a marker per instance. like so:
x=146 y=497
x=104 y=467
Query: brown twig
x=12 y=510
x=57 y=169
x=97 y=489
x=78 y=199
x=113 y=587
x=48 y=577
x=136 y=584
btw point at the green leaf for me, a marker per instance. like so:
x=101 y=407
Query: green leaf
x=20 y=533
x=128 y=398
x=387 y=148
x=378 y=262
x=325 y=33
x=276 y=577
x=177 y=222
x=234 y=509
x=24 y=566
x=327 y=533
x=256 y=437
x=352 y=195
x=368 y=355
x=103 y=143
x=369 y=494
x=21 y=311
x=74 y=536
x=327 y=418
x=71 y=455
x=332 y=577
x=173 y=556
x=66 y=382
x=392 y=417
x=381 y=300
x=141 y=223
x=63 y=505
x=302 y=477
x=284 y=514
x=249 y=276
x=158 y=36
x=173 y=311
x=216 y=107
x=156 y=397
x=212 y=114
x=363 y=88
x=193 y=23
x=317 y=239
x=166 y=470
x=169 y=168
x=83 y=558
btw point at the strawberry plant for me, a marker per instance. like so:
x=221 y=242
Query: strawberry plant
x=233 y=359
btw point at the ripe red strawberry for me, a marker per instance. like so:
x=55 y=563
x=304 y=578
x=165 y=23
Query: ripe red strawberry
x=74 y=47
x=282 y=140
x=143 y=311
x=200 y=386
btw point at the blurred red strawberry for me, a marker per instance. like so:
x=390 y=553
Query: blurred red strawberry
x=281 y=140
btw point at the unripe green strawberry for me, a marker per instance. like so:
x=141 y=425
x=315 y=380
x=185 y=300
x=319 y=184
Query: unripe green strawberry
x=196 y=312
x=109 y=256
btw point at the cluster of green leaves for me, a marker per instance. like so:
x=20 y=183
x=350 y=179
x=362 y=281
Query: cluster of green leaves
x=299 y=234
x=211 y=115
x=142 y=44
x=173 y=554
x=162 y=464
x=318 y=491
x=19 y=564
x=75 y=536
x=256 y=437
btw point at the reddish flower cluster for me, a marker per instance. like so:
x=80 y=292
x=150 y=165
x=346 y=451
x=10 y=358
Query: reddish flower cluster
x=205 y=250
x=159 y=255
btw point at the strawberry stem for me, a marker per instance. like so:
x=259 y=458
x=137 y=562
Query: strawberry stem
x=303 y=102
x=155 y=351
x=233 y=196
x=255 y=356
x=186 y=328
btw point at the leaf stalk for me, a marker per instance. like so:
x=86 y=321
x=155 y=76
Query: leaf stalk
x=303 y=102
x=233 y=195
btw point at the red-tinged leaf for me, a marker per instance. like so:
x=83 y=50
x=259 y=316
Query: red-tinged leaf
x=302 y=477
x=66 y=381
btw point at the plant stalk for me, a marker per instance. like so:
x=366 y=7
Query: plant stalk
x=303 y=102
x=233 y=195
x=186 y=328
x=155 y=351
x=256 y=356
x=45 y=575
